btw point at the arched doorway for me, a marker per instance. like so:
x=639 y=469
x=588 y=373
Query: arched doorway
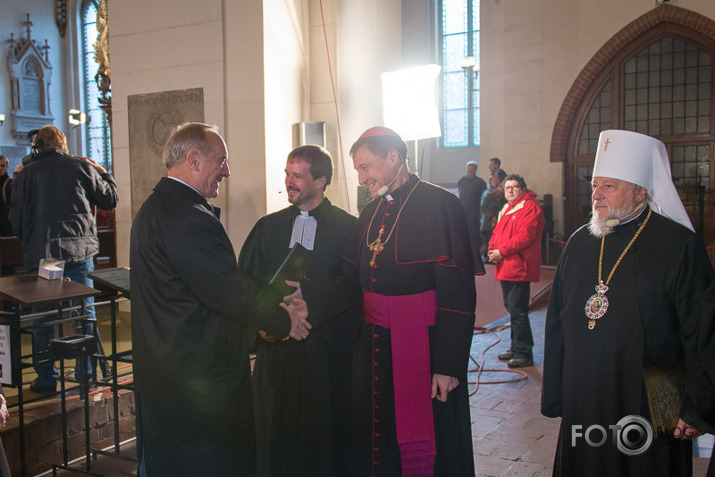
x=653 y=77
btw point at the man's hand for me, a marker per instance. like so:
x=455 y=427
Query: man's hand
x=298 y=312
x=4 y=413
x=94 y=164
x=296 y=295
x=684 y=431
x=443 y=385
x=495 y=255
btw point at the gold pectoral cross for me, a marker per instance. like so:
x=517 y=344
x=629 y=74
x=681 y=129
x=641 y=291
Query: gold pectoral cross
x=376 y=247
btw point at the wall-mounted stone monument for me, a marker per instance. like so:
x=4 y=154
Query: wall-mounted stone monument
x=151 y=118
x=30 y=74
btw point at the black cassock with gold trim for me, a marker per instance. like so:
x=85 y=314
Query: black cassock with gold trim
x=593 y=374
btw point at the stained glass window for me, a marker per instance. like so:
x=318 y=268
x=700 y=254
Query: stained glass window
x=97 y=132
x=460 y=87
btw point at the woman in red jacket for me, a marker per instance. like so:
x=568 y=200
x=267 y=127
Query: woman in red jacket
x=515 y=248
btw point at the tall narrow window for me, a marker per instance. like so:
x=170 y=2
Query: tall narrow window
x=460 y=85
x=97 y=132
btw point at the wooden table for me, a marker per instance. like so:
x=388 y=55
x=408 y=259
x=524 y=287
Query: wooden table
x=24 y=292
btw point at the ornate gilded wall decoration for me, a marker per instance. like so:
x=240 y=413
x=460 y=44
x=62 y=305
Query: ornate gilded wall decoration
x=30 y=74
x=101 y=56
x=61 y=16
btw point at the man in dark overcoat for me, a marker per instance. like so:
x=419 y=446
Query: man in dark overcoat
x=190 y=309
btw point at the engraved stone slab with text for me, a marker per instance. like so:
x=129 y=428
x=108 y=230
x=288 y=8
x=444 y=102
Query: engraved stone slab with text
x=151 y=118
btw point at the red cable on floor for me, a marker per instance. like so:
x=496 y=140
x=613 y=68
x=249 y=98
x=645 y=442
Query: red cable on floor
x=480 y=367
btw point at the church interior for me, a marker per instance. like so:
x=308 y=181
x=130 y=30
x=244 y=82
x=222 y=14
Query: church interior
x=116 y=76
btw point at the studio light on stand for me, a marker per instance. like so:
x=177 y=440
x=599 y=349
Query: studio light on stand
x=2 y=119
x=76 y=117
x=409 y=104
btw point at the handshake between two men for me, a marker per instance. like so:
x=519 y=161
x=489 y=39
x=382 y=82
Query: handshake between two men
x=297 y=309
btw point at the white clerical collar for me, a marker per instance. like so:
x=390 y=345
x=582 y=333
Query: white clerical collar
x=304 y=227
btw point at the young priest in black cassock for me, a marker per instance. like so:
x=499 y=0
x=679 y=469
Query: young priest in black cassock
x=302 y=389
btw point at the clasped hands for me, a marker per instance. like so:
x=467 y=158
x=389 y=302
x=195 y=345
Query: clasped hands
x=494 y=255
x=297 y=309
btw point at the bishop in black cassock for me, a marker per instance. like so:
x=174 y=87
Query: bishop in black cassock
x=655 y=270
x=595 y=376
x=416 y=262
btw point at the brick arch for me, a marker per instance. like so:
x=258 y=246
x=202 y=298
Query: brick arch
x=665 y=13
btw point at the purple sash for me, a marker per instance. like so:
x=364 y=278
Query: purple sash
x=407 y=317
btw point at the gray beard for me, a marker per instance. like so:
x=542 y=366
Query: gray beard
x=597 y=226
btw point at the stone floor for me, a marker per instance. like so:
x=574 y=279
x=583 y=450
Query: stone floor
x=511 y=437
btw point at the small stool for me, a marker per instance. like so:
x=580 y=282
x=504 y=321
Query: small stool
x=74 y=347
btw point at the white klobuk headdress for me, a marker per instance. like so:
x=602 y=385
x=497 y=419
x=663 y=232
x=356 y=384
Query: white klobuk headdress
x=641 y=160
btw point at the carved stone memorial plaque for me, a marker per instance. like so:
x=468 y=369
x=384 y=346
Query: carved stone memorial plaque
x=30 y=77
x=151 y=118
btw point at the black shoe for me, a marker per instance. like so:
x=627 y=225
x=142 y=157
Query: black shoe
x=40 y=388
x=506 y=356
x=520 y=362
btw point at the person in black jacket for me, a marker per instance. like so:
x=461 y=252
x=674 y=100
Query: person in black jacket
x=470 y=189
x=5 y=197
x=191 y=307
x=52 y=213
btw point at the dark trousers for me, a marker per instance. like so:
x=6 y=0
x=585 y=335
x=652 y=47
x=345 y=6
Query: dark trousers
x=516 y=301
x=486 y=237
x=76 y=271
